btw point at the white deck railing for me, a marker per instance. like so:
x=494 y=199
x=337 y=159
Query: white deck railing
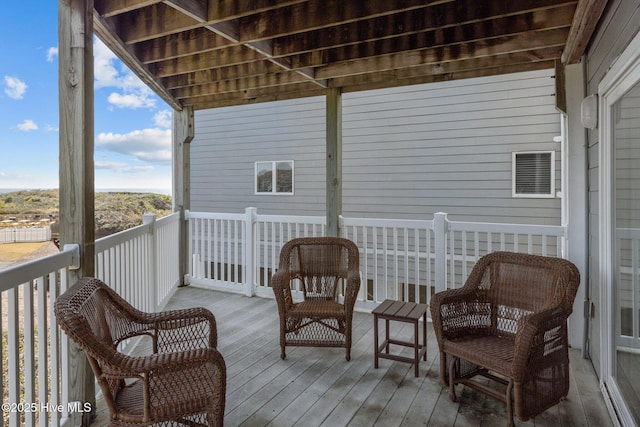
x=400 y=259
x=28 y=292
x=142 y=263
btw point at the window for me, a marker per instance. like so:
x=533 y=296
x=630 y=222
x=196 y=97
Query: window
x=274 y=177
x=533 y=174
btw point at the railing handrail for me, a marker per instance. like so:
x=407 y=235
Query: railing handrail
x=22 y=273
x=628 y=233
x=382 y=222
x=213 y=215
x=167 y=219
x=107 y=242
x=115 y=239
x=485 y=227
x=292 y=219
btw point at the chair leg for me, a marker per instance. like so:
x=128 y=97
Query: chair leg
x=444 y=381
x=283 y=354
x=509 y=396
x=452 y=385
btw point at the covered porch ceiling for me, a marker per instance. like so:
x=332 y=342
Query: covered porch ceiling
x=214 y=53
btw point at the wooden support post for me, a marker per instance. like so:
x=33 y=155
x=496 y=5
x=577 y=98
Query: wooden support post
x=183 y=132
x=76 y=169
x=334 y=160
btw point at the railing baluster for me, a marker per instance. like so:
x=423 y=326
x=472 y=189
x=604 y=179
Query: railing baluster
x=28 y=342
x=13 y=351
x=54 y=349
x=43 y=340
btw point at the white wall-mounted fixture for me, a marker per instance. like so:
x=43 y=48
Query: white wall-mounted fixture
x=589 y=111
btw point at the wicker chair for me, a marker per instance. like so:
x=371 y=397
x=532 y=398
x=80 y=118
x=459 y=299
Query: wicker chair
x=509 y=324
x=183 y=381
x=319 y=267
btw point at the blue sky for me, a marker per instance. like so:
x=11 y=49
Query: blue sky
x=132 y=125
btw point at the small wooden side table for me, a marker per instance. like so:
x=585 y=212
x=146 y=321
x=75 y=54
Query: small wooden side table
x=408 y=312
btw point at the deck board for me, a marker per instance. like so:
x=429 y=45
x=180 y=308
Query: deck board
x=318 y=387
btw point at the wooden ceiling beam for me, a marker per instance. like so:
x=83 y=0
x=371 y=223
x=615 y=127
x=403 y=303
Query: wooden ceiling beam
x=450 y=67
x=416 y=21
x=152 y=22
x=187 y=43
x=387 y=80
x=252 y=97
x=109 y=8
x=251 y=69
x=211 y=53
x=233 y=55
x=585 y=19
x=229 y=30
x=497 y=29
x=282 y=80
x=318 y=14
x=457 y=75
x=196 y=9
x=500 y=45
x=373 y=78
x=229 y=10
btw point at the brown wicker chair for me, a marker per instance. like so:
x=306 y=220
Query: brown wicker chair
x=319 y=267
x=182 y=382
x=509 y=324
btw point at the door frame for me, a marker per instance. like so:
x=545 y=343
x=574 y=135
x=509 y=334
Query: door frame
x=621 y=77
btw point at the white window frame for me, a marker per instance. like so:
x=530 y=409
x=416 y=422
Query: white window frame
x=551 y=193
x=274 y=177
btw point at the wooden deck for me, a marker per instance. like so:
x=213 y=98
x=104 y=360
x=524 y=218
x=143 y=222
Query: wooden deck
x=318 y=387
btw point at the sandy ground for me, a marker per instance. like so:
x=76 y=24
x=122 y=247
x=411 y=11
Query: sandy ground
x=18 y=253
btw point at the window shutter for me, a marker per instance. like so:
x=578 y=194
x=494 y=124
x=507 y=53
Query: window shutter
x=533 y=173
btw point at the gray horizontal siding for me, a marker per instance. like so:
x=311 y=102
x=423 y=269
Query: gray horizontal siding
x=413 y=151
x=228 y=141
x=408 y=152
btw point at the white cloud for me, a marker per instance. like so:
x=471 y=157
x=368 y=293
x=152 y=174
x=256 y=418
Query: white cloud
x=162 y=119
x=109 y=72
x=148 y=145
x=51 y=128
x=27 y=126
x=131 y=100
x=14 y=87
x=52 y=52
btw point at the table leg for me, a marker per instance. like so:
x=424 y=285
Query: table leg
x=375 y=340
x=416 y=347
x=424 y=334
x=386 y=335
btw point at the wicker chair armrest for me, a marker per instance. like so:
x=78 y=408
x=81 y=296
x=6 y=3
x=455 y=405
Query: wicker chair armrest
x=447 y=307
x=124 y=366
x=539 y=337
x=281 y=285
x=168 y=318
x=351 y=290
